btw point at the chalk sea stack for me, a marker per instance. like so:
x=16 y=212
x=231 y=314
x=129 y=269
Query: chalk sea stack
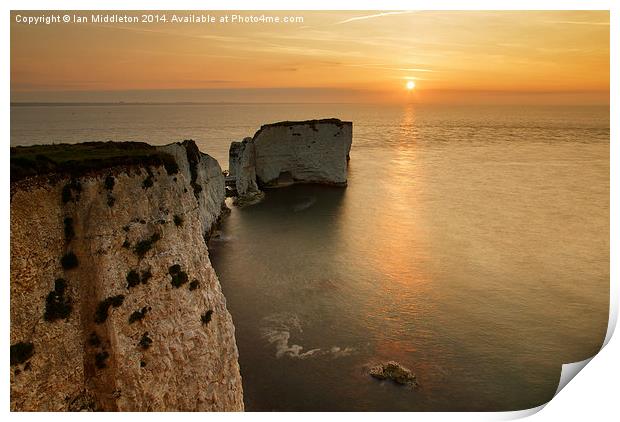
x=279 y=154
x=242 y=173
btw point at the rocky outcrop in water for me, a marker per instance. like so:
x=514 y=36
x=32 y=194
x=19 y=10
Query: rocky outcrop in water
x=395 y=372
x=242 y=171
x=279 y=154
x=114 y=302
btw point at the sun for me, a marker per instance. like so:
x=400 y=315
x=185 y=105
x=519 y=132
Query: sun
x=410 y=85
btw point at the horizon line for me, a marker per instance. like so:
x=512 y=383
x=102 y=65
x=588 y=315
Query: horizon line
x=310 y=88
x=133 y=103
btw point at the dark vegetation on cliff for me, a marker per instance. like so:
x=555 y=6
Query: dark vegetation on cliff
x=143 y=246
x=109 y=185
x=69 y=231
x=145 y=276
x=101 y=314
x=69 y=261
x=177 y=276
x=193 y=158
x=77 y=159
x=70 y=192
x=134 y=279
x=148 y=182
x=21 y=352
x=138 y=315
x=101 y=358
x=94 y=339
x=109 y=182
x=145 y=341
x=206 y=317
x=57 y=305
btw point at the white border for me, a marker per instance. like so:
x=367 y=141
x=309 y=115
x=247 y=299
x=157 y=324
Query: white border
x=312 y=5
x=591 y=395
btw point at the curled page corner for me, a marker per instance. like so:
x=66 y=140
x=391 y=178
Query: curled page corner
x=569 y=370
x=613 y=314
x=519 y=414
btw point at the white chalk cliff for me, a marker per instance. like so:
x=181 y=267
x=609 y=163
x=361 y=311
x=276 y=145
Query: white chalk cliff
x=114 y=302
x=242 y=169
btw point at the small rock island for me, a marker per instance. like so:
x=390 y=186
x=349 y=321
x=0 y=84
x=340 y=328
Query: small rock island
x=280 y=154
x=394 y=372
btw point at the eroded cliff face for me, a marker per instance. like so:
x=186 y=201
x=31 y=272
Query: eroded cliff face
x=114 y=302
x=313 y=151
x=242 y=168
x=279 y=154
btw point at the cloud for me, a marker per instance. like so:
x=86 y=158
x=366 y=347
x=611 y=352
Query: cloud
x=388 y=67
x=579 y=23
x=377 y=15
x=408 y=69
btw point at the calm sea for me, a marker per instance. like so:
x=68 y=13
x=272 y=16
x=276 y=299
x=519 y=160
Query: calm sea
x=471 y=245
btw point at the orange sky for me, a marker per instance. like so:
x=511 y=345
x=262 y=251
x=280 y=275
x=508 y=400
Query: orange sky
x=499 y=56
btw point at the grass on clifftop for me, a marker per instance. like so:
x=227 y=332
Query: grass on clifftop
x=76 y=159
